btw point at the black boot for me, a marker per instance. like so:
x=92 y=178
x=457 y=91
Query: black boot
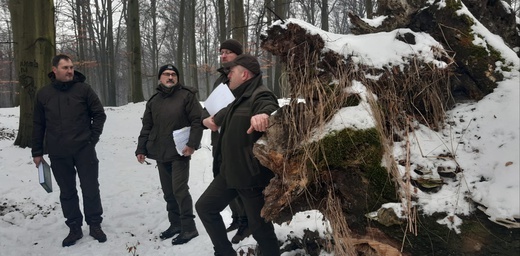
x=234 y=225
x=185 y=237
x=75 y=234
x=243 y=232
x=170 y=232
x=97 y=233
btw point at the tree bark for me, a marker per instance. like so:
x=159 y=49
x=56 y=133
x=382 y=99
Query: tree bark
x=192 y=48
x=111 y=62
x=280 y=8
x=180 y=43
x=222 y=35
x=325 y=15
x=238 y=23
x=134 y=38
x=34 y=34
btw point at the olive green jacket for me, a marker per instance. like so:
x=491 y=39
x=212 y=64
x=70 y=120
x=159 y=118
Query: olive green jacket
x=234 y=151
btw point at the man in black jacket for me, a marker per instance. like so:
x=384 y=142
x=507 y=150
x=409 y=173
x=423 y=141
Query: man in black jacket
x=229 y=51
x=69 y=117
x=241 y=174
x=172 y=108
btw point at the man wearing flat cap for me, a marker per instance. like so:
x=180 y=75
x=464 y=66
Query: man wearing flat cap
x=241 y=174
x=173 y=107
x=229 y=50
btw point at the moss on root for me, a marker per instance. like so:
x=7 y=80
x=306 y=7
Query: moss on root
x=350 y=147
x=359 y=150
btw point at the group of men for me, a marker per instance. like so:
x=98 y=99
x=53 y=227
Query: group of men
x=69 y=119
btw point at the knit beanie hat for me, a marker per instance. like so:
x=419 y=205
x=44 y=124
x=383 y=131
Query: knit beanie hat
x=232 y=45
x=167 y=67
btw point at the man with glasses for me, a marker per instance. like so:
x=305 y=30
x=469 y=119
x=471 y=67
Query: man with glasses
x=173 y=107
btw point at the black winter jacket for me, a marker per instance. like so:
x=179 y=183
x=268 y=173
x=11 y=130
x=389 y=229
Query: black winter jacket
x=164 y=113
x=238 y=165
x=68 y=115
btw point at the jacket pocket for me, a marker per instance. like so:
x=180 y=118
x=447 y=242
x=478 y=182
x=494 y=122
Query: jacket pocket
x=151 y=145
x=252 y=163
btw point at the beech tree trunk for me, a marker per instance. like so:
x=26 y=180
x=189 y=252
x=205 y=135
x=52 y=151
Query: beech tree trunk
x=34 y=48
x=134 y=42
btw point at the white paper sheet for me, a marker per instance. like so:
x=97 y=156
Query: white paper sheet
x=218 y=99
x=181 y=137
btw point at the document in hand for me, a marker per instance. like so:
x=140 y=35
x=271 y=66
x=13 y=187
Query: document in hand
x=181 y=137
x=218 y=99
x=44 y=175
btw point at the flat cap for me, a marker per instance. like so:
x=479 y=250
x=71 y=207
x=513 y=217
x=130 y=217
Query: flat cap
x=247 y=61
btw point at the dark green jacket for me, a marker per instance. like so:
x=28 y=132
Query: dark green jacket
x=164 y=113
x=238 y=165
x=67 y=116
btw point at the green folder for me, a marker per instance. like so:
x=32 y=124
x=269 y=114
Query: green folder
x=44 y=174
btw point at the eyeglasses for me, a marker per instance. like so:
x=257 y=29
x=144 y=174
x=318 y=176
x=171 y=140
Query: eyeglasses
x=169 y=74
x=224 y=52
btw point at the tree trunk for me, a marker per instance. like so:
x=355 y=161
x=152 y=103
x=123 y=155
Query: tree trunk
x=325 y=15
x=222 y=35
x=270 y=74
x=34 y=34
x=155 y=43
x=238 y=23
x=369 y=7
x=192 y=47
x=134 y=38
x=118 y=64
x=81 y=29
x=102 y=58
x=111 y=62
x=280 y=8
x=206 y=52
x=180 y=44
x=92 y=53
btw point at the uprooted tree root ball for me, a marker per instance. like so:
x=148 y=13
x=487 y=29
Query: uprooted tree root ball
x=343 y=184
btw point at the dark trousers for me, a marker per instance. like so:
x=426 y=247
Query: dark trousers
x=237 y=210
x=86 y=165
x=216 y=197
x=174 y=178
x=237 y=207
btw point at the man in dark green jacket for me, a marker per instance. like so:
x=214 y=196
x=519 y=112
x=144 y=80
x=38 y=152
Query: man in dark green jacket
x=229 y=51
x=69 y=118
x=241 y=174
x=172 y=108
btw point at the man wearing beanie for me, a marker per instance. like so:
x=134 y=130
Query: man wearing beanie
x=229 y=50
x=173 y=107
x=240 y=173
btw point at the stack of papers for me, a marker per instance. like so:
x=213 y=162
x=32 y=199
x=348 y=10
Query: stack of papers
x=181 y=137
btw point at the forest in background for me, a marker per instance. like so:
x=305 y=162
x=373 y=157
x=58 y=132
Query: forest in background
x=186 y=33
x=120 y=44
x=97 y=34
